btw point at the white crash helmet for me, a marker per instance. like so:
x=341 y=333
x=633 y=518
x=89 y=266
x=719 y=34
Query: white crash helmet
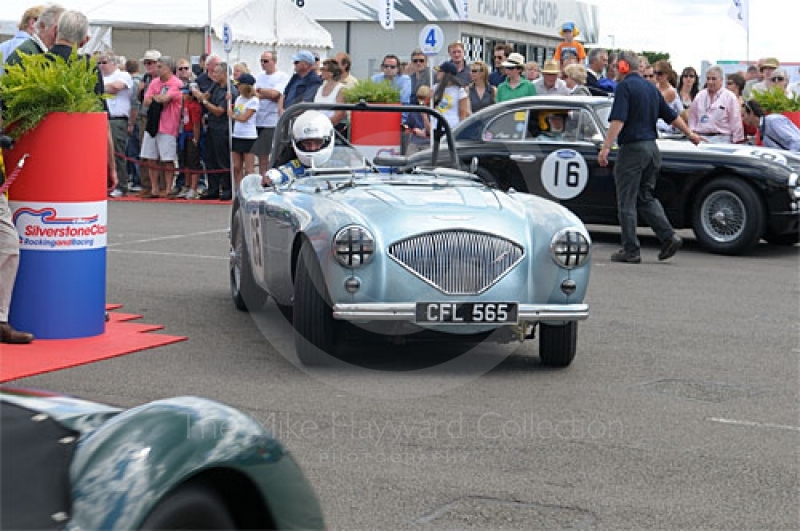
x=310 y=125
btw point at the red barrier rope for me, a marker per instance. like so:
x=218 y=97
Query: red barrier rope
x=13 y=175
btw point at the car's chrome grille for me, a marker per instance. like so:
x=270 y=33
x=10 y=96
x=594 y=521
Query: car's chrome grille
x=457 y=262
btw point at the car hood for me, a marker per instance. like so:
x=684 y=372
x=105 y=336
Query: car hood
x=405 y=208
x=710 y=152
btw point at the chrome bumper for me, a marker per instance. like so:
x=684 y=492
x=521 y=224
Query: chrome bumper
x=407 y=312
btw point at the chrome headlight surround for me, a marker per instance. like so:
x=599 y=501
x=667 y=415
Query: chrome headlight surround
x=353 y=246
x=570 y=248
x=794 y=186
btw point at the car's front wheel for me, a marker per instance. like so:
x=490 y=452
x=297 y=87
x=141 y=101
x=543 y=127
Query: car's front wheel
x=190 y=507
x=558 y=344
x=312 y=315
x=728 y=216
x=246 y=294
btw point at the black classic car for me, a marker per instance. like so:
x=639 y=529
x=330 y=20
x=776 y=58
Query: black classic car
x=730 y=195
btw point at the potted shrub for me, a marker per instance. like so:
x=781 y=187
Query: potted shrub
x=375 y=129
x=59 y=199
x=775 y=100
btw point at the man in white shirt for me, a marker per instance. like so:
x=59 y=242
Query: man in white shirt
x=548 y=82
x=269 y=86
x=119 y=88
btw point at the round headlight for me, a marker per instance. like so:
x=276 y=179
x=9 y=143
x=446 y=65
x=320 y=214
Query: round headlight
x=353 y=246
x=570 y=248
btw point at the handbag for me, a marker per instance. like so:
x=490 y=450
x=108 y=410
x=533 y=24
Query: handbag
x=153 y=118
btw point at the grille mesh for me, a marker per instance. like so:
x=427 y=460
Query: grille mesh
x=457 y=262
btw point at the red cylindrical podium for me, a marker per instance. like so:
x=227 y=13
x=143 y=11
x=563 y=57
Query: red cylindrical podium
x=58 y=203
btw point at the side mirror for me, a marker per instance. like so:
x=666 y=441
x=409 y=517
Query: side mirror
x=597 y=139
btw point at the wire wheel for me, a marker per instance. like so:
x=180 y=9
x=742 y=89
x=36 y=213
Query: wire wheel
x=724 y=216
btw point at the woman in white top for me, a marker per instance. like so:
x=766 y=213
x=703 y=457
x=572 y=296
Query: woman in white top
x=449 y=97
x=245 y=133
x=331 y=90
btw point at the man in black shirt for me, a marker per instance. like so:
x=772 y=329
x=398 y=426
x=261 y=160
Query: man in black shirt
x=637 y=107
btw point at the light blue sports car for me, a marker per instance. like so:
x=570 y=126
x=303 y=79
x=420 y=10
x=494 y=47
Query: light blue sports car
x=405 y=253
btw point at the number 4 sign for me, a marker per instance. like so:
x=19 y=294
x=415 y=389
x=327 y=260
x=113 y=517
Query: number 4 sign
x=431 y=39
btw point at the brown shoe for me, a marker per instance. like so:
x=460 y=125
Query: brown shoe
x=9 y=335
x=148 y=195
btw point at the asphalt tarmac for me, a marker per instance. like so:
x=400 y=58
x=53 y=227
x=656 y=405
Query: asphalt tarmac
x=680 y=410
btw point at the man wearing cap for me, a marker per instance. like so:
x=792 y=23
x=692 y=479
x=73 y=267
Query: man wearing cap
x=391 y=74
x=549 y=82
x=303 y=84
x=149 y=61
x=637 y=106
x=515 y=86
x=162 y=148
x=766 y=70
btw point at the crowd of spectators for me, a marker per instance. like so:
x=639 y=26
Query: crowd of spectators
x=191 y=113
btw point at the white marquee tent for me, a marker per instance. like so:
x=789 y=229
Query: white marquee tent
x=176 y=27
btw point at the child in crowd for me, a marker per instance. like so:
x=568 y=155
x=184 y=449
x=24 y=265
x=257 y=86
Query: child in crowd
x=244 y=129
x=569 y=47
x=188 y=148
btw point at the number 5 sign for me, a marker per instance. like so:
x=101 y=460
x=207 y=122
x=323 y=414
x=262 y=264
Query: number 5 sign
x=431 y=39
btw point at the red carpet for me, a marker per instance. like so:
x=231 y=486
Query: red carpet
x=46 y=355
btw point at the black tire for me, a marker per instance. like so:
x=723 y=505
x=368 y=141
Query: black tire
x=728 y=216
x=246 y=294
x=314 y=325
x=558 y=344
x=193 y=506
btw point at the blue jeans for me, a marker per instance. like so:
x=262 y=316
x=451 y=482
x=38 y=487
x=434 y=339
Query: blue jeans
x=635 y=174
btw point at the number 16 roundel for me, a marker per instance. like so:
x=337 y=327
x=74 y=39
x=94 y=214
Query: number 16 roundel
x=564 y=174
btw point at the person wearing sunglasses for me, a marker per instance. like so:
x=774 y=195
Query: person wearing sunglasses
x=777 y=131
x=501 y=53
x=390 y=73
x=767 y=68
x=780 y=79
x=419 y=73
x=303 y=85
x=688 y=86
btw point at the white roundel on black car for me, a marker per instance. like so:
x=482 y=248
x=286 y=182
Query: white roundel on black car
x=771 y=155
x=565 y=174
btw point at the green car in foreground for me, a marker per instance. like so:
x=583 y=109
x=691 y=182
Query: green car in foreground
x=178 y=463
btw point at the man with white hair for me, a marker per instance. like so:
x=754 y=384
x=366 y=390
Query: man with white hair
x=119 y=88
x=715 y=113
